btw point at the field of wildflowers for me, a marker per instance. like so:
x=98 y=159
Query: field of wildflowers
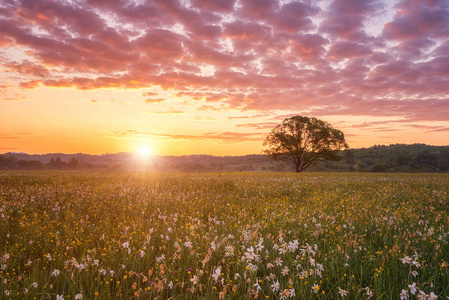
x=78 y=235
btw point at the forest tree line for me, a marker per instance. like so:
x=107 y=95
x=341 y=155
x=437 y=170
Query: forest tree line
x=392 y=158
x=8 y=162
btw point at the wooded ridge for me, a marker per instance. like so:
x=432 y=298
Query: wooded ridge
x=379 y=158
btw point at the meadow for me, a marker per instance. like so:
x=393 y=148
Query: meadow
x=99 y=235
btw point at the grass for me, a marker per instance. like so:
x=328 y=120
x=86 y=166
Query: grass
x=87 y=235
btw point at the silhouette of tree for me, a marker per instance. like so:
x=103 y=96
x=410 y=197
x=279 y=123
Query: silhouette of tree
x=304 y=141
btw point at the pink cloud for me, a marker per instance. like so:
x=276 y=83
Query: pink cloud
x=116 y=39
x=149 y=94
x=205 y=31
x=5 y=41
x=24 y=36
x=259 y=55
x=259 y=9
x=49 y=14
x=209 y=97
x=4 y=88
x=413 y=49
x=83 y=83
x=437 y=67
x=442 y=50
x=217 y=5
x=308 y=47
x=428 y=128
x=247 y=36
x=202 y=53
x=394 y=68
x=345 y=18
x=32 y=84
x=418 y=19
x=161 y=45
x=341 y=50
x=28 y=68
x=296 y=16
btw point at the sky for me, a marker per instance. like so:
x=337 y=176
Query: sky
x=176 y=77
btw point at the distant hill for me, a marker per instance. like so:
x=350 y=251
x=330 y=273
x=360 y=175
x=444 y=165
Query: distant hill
x=395 y=158
x=392 y=158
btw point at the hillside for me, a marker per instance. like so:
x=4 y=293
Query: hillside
x=392 y=158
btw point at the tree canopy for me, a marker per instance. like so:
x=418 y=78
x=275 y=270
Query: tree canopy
x=303 y=141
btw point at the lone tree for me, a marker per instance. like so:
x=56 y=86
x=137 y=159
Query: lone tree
x=303 y=141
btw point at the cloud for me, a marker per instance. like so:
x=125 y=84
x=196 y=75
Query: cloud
x=149 y=100
x=261 y=125
x=4 y=88
x=238 y=117
x=28 y=68
x=32 y=84
x=341 y=50
x=149 y=94
x=215 y=6
x=246 y=31
x=258 y=9
x=442 y=50
x=417 y=19
x=209 y=108
x=345 y=18
x=8 y=137
x=308 y=48
x=200 y=118
x=295 y=16
x=165 y=112
x=14 y=136
x=161 y=46
x=248 y=55
x=207 y=96
x=413 y=49
x=225 y=137
x=429 y=128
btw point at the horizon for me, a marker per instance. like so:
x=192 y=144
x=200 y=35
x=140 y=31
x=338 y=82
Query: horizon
x=202 y=77
x=200 y=154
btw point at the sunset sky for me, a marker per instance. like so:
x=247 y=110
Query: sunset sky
x=215 y=76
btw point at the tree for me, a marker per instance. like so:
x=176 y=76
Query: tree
x=304 y=141
x=73 y=163
x=349 y=157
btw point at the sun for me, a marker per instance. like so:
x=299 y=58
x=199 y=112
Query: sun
x=145 y=151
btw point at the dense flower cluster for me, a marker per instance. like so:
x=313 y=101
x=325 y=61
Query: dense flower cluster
x=223 y=236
